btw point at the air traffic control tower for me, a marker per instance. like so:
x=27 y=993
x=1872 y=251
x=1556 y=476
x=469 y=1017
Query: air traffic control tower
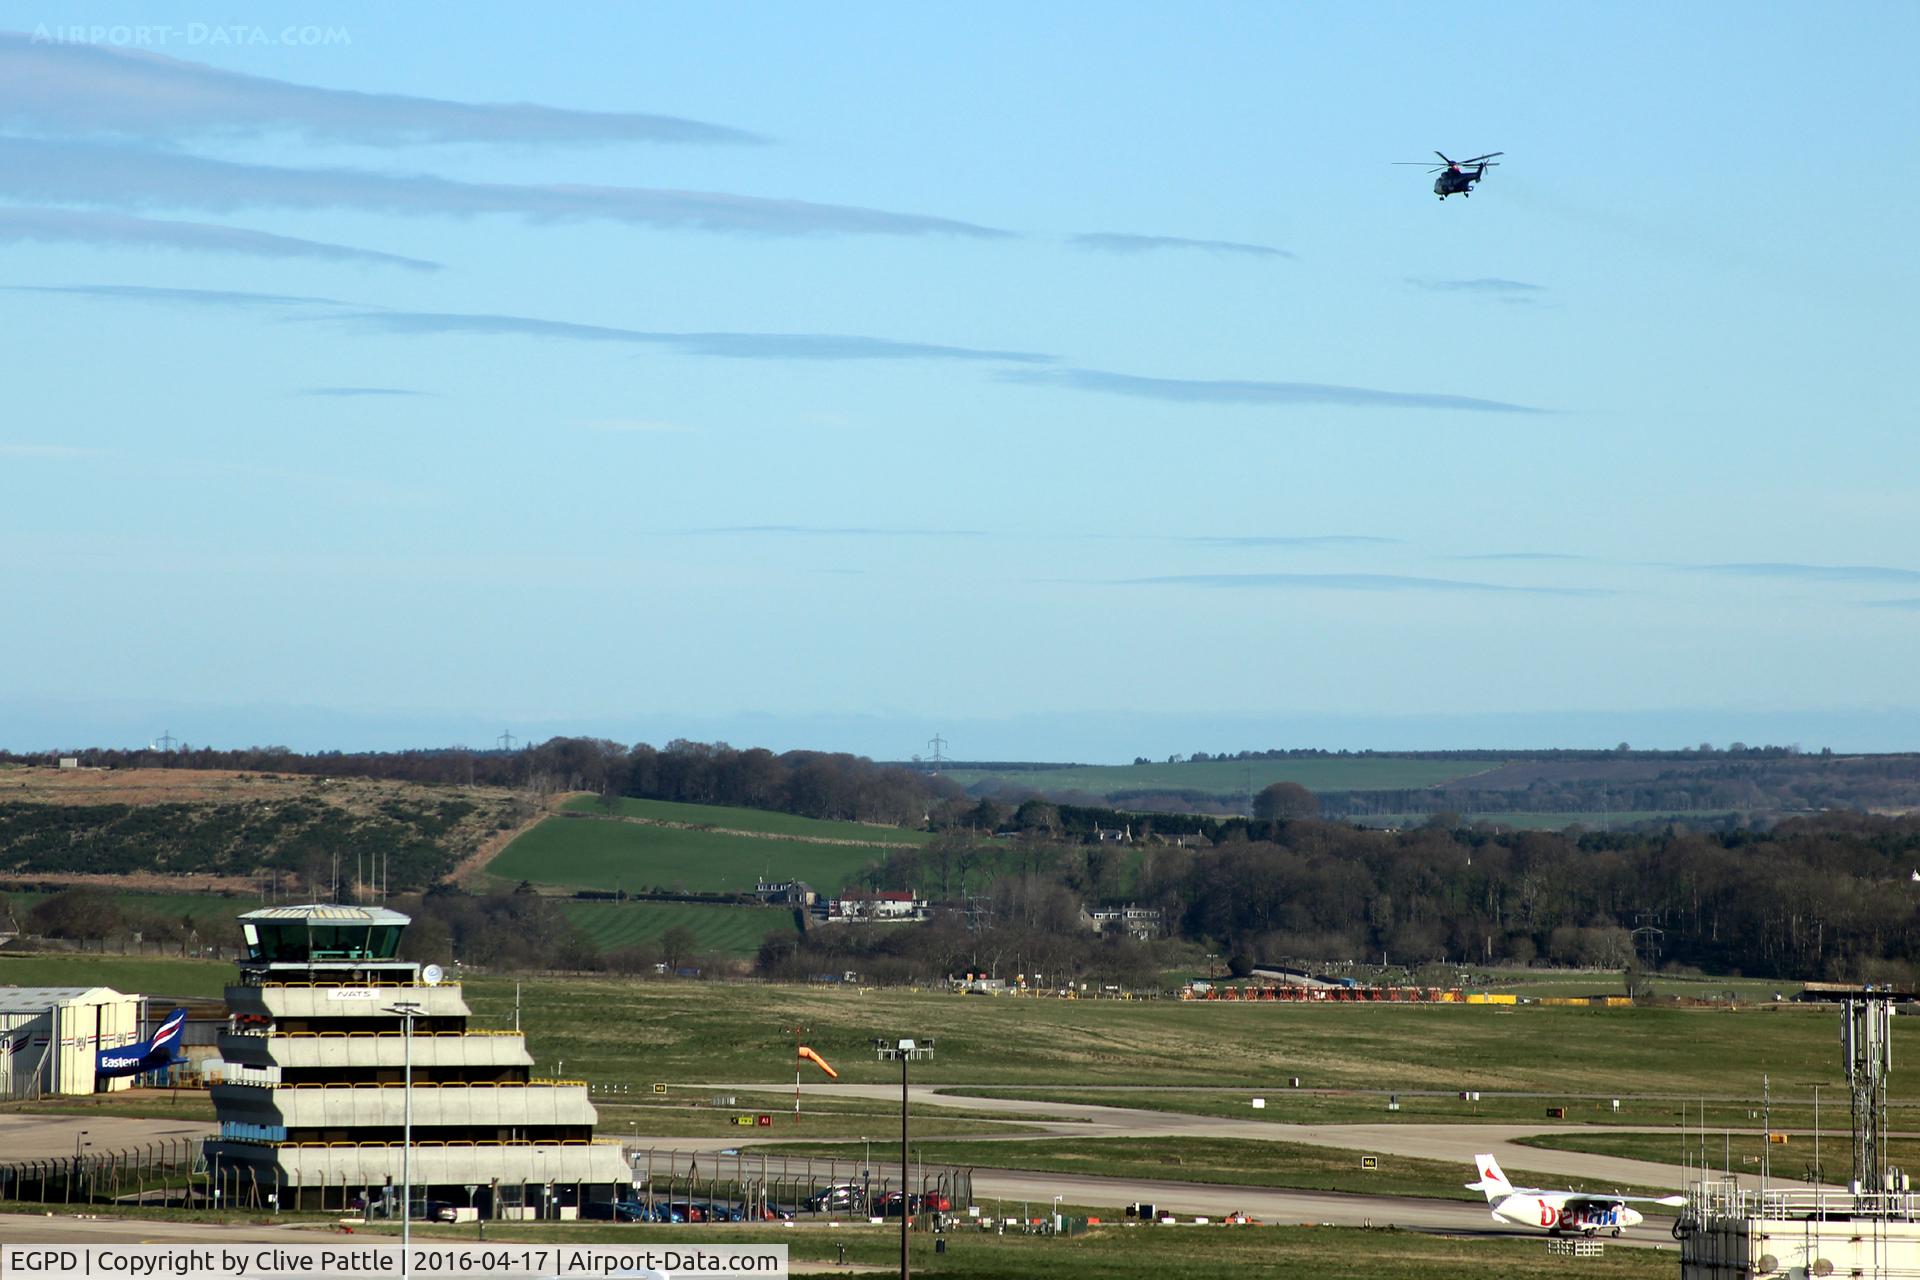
x=313 y=1101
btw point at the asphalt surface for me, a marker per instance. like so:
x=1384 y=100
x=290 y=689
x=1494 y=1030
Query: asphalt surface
x=25 y=1136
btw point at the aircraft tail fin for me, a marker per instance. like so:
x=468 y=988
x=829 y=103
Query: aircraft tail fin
x=1492 y=1181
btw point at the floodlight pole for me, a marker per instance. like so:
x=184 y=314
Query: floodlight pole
x=905 y=1050
x=408 y=1010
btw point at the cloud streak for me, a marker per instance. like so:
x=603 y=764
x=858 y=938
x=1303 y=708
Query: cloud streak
x=350 y=393
x=1912 y=603
x=193 y=297
x=748 y=346
x=1302 y=541
x=85 y=89
x=1812 y=572
x=1119 y=242
x=1377 y=582
x=1272 y=394
x=821 y=531
x=116 y=231
x=1482 y=284
x=118 y=176
x=737 y=346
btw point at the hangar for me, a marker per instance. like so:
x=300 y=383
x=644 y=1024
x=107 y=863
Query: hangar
x=49 y=1036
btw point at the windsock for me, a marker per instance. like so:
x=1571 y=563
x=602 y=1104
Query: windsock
x=818 y=1061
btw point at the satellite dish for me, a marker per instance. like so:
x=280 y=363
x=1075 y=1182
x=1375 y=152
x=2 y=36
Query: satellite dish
x=432 y=974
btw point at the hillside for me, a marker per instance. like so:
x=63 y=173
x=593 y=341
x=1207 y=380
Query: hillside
x=229 y=830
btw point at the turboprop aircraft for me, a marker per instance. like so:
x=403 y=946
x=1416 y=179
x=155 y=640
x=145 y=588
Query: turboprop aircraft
x=156 y=1054
x=1560 y=1212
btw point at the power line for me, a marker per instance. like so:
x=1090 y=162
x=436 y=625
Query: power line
x=506 y=741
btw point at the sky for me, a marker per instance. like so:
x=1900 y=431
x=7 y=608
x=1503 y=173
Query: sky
x=1072 y=381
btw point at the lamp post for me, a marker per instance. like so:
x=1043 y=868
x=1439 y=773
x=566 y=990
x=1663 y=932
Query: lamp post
x=905 y=1050
x=408 y=1010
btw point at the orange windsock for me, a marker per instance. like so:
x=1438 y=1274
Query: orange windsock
x=818 y=1061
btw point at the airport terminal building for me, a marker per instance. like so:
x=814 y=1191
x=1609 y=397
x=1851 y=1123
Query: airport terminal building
x=313 y=1098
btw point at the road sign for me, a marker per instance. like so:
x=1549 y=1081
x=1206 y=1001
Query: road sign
x=1369 y=1162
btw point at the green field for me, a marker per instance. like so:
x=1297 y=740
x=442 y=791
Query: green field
x=1234 y=777
x=729 y=818
x=146 y=975
x=1532 y=821
x=733 y=930
x=209 y=910
x=1233 y=1162
x=1739 y=1151
x=640 y=1031
x=587 y=853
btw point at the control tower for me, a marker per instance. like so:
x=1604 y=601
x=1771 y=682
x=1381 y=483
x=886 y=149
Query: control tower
x=314 y=1100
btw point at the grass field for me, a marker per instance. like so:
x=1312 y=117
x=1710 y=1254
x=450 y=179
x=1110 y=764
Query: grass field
x=1132 y=1253
x=642 y=1031
x=1233 y=777
x=590 y=854
x=1739 y=1151
x=207 y=909
x=733 y=930
x=1531 y=821
x=147 y=975
x=1234 y=1162
x=729 y=818
x=1302 y=1106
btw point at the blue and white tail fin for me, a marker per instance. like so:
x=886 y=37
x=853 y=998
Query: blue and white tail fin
x=1492 y=1181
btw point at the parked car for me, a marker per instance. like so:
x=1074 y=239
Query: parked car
x=617 y=1211
x=842 y=1195
x=932 y=1202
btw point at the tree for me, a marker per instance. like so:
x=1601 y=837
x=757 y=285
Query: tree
x=1280 y=800
x=677 y=944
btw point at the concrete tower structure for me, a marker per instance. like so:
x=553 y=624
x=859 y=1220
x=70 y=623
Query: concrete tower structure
x=313 y=1101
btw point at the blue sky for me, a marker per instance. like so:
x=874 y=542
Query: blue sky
x=1077 y=381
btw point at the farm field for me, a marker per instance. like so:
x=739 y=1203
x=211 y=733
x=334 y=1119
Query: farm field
x=1533 y=821
x=730 y=818
x=734 y=930
x=150 y=975
x=587 y=853
x=1232 y=777
x=215 y=910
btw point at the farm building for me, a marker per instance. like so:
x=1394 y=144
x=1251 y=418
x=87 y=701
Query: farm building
x=49 y=1036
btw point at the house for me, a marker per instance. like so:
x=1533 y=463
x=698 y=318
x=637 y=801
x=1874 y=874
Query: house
x=872 y=908
x=1110 y=835
x=1143 y=923
x=788 y=893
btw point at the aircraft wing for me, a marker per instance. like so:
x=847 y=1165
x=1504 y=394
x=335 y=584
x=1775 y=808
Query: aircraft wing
x=1561 y=1199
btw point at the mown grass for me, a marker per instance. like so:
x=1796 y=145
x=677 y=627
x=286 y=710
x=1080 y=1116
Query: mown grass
x=146 y=975
x=732 y=930
x=1300 y=1106
x=1233 y=1162
x=673 y=1031
x=586 y=853
x=1133 y=1253
x=1741 y=1152
x=731 y=818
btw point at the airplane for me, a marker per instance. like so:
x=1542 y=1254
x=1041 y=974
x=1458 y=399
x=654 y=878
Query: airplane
x=1558 y=1212
x=1458 y=176
x=155 y=1054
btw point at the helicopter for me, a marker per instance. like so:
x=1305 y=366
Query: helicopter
x=1458 y=176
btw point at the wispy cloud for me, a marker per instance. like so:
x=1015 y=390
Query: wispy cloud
x=739 y=346
x=1119 y=242
x=355 y=392
x=51 y=451
x=120 y=176
x=1911 y=603
x=1276 y=394
x=194 y=297
x=1304 y=541
x=828 y=531
x=1812 y=572
x=78 y=89
x=749 y=346
x=639 y=426
x=117 y=230
x=1342 y=582
x=1483 y=284
x=1520 y=555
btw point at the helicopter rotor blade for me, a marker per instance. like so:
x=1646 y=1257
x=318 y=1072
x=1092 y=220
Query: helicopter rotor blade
x=1477 y=159
x=1443 y=157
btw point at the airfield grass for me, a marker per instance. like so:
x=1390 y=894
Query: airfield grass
x=585 y=853
x=1740 y=1151
x=730 y=818
x=1301 y=1106
x=614 y=1030
x=146 y=975
x=732 y=930
x=1232 y=777
x=1233 y=1162
x=1129 y=1252
x=216 y=909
